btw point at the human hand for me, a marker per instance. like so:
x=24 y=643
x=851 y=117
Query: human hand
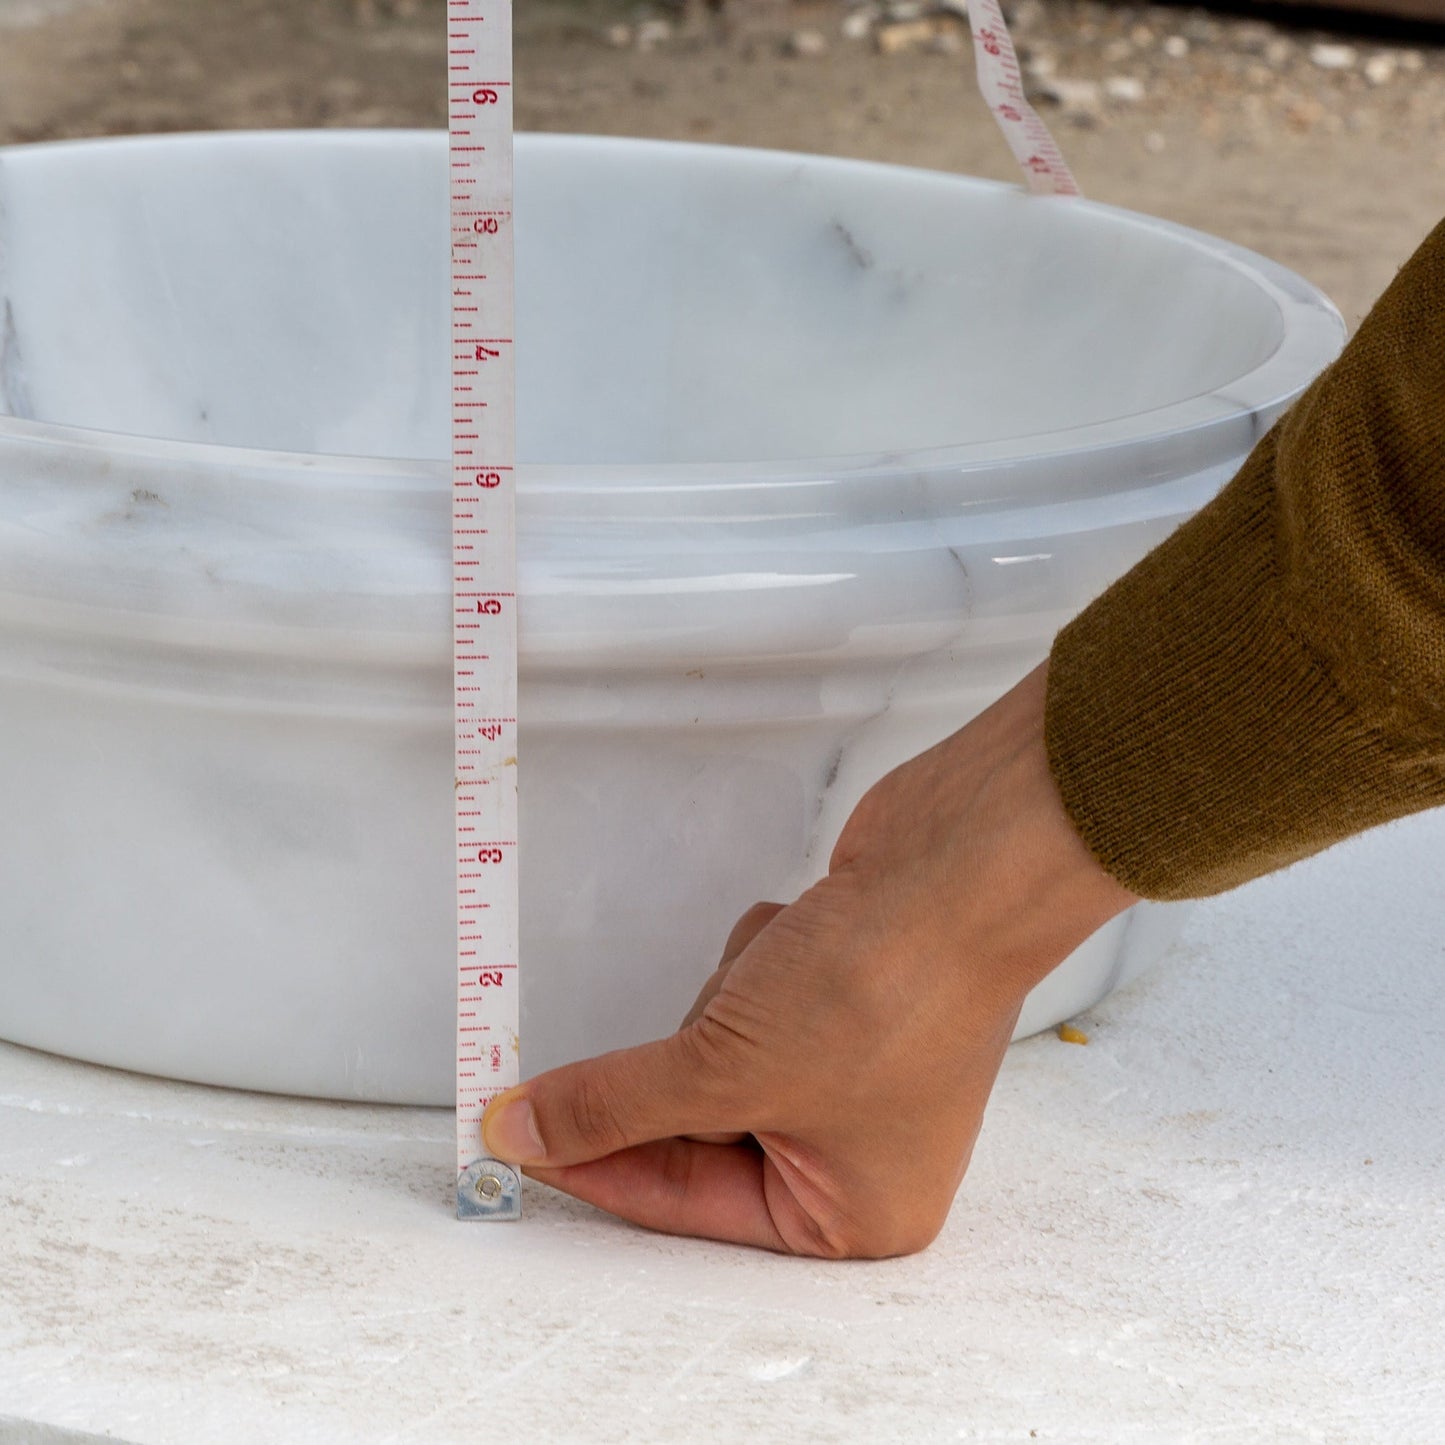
x=824 y=1094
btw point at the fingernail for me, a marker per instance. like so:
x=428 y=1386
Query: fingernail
x=511 y=1134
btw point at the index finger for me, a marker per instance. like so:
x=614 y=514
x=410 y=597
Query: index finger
x=679 y=1186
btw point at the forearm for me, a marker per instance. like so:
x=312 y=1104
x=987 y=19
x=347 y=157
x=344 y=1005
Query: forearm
x=1272 y=678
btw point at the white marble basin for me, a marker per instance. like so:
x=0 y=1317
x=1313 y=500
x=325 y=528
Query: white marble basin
x=819 y=456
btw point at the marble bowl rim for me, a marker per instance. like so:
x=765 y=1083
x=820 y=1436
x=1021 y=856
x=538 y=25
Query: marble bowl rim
x=1311 y=328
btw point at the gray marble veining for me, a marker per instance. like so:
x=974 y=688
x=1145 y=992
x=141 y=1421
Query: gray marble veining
x=14 y=393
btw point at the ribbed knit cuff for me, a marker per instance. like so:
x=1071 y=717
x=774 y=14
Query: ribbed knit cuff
x=1271 y=679
x=1196 y=741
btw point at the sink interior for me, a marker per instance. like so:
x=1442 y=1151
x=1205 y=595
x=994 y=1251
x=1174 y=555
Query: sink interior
x=675 y=303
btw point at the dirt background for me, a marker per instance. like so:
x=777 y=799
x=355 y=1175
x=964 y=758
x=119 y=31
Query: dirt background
x=1328 y=160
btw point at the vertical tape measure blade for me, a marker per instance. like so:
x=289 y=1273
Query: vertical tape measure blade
x=1001 y=83
x=484 y=584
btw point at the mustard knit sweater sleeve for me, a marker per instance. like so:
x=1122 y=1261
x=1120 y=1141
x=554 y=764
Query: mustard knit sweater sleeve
x=1271 y=679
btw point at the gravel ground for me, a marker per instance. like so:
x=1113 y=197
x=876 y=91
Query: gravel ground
x=1319 y=147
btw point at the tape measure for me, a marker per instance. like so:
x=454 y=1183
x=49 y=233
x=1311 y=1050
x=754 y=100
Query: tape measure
x=484 y=556
x=1001 y=82
x=484 y=586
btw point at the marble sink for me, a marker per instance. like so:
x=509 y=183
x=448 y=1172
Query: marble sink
x=818 y=456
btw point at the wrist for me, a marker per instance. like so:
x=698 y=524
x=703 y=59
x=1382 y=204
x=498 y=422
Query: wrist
x=979 y=826
x=1075 y=894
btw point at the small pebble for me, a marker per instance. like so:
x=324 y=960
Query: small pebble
x=1380 y=69
x=1038 y=64
x=806 y=44
x=1027 y=14
x=900 y=35
x=1176 y=47
x=1128 y=88
x=857 y=25
x=1333 y=57
x=619 y=37
x=652 y=33
x=1252 y=37
x=1078 y=99
x=1304 y=114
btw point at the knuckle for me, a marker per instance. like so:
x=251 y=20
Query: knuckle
x=708 y=1056
x=722 y=1050
x=747 y=928
x=761 y=912
x=858 y=830
x=593 y=1115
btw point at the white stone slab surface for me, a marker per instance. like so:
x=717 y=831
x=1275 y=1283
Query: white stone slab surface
x=1222 y=1220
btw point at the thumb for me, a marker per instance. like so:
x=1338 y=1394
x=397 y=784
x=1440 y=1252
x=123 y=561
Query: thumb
x=587 y=1110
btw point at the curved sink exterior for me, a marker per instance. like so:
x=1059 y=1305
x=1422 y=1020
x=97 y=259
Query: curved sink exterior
x=225 y=740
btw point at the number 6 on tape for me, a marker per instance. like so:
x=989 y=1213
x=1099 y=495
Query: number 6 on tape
x=484 y=586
